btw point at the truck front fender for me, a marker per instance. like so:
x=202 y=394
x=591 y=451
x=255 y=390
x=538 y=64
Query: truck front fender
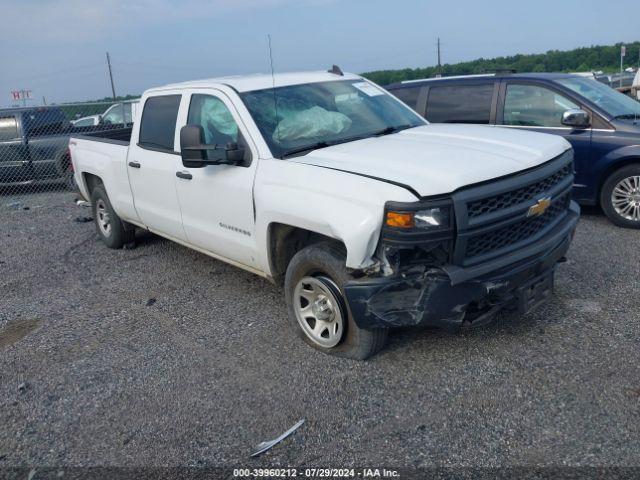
x=336 y=204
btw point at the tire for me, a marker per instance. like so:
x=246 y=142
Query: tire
x=113 y=232
x=620 y=197
x=66 y=173
x=318 y=271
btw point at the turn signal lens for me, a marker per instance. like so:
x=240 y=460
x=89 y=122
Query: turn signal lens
x=400 y=220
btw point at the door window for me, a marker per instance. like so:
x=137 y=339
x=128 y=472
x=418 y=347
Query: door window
x=8 y=129
x=535 y=106
x=408 y=95
x=118 y=114
x=460 y=104
x=218 y=124
x=158 y=125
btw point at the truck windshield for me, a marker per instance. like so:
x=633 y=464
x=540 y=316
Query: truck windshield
x=609 y=100
x=299 y=118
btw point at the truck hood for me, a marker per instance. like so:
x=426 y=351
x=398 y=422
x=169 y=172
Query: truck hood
x=440 y=158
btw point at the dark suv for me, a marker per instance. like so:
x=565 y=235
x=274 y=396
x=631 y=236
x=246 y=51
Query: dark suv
x=602 y=125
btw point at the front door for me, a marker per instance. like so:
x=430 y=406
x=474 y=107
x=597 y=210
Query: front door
x=217 y=200
x=152 y=165
x=539 y=108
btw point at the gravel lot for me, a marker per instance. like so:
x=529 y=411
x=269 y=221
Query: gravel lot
x=163 y=356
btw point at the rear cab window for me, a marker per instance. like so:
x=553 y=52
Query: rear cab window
x=158 y=125
x=460 y=103
x=44 y=121
x=8 y=128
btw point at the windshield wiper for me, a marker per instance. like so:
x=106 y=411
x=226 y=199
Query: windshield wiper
x=390 y=130
x=306 y=148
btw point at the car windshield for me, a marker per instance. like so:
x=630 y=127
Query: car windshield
x=609 y=100
x=300 y=118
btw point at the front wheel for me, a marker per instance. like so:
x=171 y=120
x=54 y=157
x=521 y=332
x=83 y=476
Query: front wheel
x=620 y=197
x=317 y=310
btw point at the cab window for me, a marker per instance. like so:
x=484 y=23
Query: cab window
x=460 y=104
x=408 y=95
x=118 y=114
x=216 y=120
x=158 y=125
x=535 y=106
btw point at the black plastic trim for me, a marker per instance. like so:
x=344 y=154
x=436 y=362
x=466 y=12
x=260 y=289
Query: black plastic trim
x=157 y=149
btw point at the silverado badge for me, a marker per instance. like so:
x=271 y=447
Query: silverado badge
x=539 y=208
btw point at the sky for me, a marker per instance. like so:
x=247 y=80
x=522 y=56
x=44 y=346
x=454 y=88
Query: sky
x=56 y=48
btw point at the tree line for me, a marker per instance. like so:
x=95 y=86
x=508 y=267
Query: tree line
x=594 y=58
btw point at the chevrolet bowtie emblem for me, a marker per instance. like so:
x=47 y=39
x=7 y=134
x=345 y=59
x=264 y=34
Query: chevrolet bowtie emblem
x=539 y=208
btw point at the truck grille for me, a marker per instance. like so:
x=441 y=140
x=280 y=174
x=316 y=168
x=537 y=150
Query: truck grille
x=494 y=219
x=527 y=228
x=505 y=200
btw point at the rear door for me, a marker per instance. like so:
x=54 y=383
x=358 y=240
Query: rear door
x=539 y=107
x=152 y=163
x=217 y=200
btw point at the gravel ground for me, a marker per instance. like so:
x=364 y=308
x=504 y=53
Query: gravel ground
x=163 y=356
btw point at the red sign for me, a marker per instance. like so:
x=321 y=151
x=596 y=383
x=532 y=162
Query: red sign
x=21 y=94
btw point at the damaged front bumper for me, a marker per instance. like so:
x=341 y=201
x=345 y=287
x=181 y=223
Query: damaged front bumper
x=451 y=297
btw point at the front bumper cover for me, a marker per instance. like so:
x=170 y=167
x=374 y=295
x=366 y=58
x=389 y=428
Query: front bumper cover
x=443 y=297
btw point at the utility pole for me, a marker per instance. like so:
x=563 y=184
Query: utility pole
x=439 y=74
x=623 y=52
x=113 y=89
x=44 y=100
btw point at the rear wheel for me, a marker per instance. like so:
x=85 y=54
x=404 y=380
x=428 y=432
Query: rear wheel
x=114 y=232
x=318 y=312
x=65 y=170
x=620 y=197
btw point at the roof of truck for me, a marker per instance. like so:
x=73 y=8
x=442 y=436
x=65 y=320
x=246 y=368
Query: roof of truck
x=260 y=81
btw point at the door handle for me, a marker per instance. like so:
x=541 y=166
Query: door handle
x=134 y=164
x=185 y=175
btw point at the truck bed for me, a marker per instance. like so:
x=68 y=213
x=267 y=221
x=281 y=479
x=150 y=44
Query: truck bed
x=120 y=136
x=103 y=155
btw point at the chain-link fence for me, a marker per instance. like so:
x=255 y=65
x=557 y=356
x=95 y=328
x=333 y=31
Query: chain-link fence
x=34 y=153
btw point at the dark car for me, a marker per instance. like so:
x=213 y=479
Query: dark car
x=602 y=125
x=34 y=146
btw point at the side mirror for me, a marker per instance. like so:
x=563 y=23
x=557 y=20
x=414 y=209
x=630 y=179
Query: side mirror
x=576 y=118
x=193 y=149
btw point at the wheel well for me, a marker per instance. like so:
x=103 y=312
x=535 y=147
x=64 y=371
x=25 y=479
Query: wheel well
x=91 y=181
x=285 y=241
x=613 y=168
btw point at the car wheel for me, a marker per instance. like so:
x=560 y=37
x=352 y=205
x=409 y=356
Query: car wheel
x=317 y=310
x=65 y=171
x=620 y=197
x=111 y=229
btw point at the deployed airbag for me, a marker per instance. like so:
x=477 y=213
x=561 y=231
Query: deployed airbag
x=311 y=123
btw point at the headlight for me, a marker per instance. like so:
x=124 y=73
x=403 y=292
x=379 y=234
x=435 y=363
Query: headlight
x=434 y=217
x=418 y=222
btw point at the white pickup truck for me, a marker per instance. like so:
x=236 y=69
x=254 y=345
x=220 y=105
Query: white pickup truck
x=370 y=217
